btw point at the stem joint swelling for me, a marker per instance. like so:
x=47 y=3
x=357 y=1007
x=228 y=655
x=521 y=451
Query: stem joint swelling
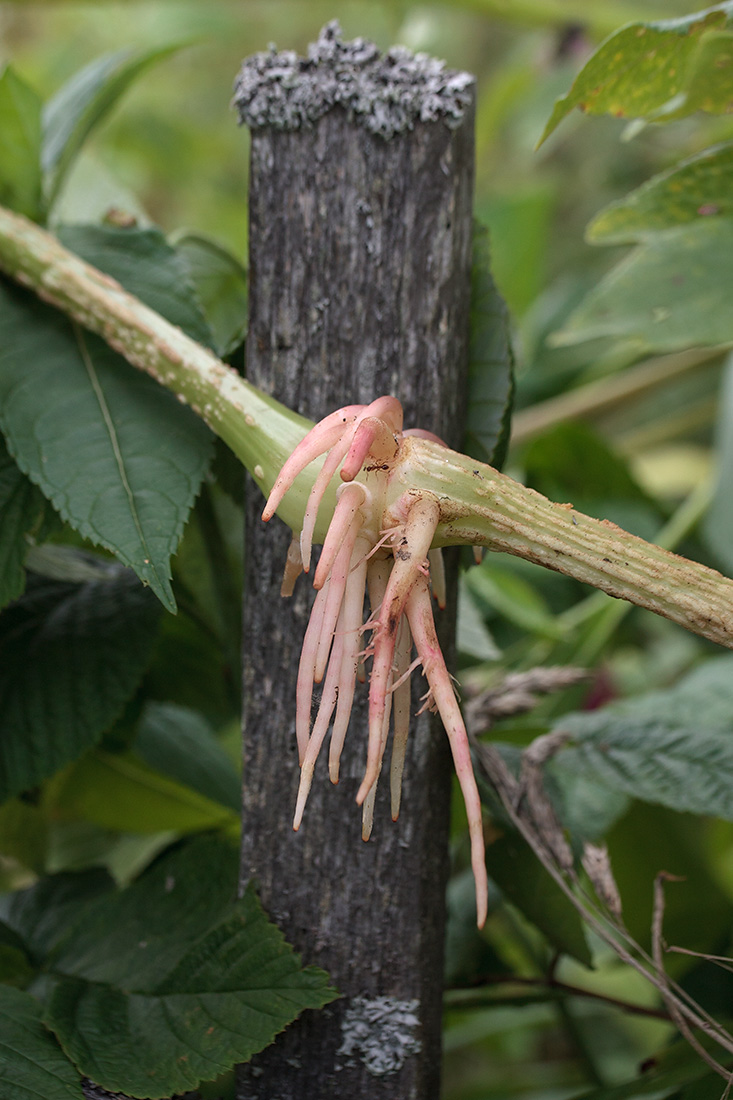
x=380 y=545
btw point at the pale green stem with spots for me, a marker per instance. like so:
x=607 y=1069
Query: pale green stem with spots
x=478 y=505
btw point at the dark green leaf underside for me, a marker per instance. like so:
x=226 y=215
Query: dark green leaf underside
x=71 y=655
x=674 y=748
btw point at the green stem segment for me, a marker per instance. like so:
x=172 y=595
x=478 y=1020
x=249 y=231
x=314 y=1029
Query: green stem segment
x=478 y=505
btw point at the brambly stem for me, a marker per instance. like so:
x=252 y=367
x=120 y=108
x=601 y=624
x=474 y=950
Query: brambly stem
x=478 y=505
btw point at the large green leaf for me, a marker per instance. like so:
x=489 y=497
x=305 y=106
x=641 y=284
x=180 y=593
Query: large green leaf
x=656 y=70
x=180 y=743
x=120 y=792
x=79 y=107
x=143 y=262
x=672 y=292
x=166 y=983
x=24 y=833
x=221 y=283
x=31 y=1063
x=70 y=405
x=671 y=747
x=71 y=655
x=700 y=187
x=490 y=363
x=47 y=914
x=20 y=145
x=524 y=881
x=21 y=511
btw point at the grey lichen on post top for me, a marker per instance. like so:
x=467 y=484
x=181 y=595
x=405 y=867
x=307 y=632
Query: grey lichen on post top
x=386 y=93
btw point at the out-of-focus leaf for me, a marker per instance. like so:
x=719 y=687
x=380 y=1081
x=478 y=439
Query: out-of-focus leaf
x=718 y=522
x=21 y=511
x=524 y=881
x=671 y=292
x=490 y=362
x=656 y=70
x=32 y=1064
x=69 y=404
x=71 y=655
x=15 y=966
x=572 y=462
x=168 y=983
x=47 y=914
x=700 y=187
x=83 y=103
x=23 y=833
x=671 y=747
x=180 y=743
x=473 y=638
x=650 y=839
x=120 y=792
x=520 y=222
x=221 y=282
x=511 y=596
x=20 y=145
x=469 y=956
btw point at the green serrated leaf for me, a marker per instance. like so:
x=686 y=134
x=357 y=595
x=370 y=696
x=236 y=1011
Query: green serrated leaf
x=20 y=145
x=31 y=1062
x=490 y=363
x=672 y=292
x=143 y=262
x=180 y=743
x=21 y=511
x=46 y=915
x=118 y=791
x=83 y=103
x=70 y=405
x=71 y=655
x=168 y=984
x=221 y=282
x=673 y=748
x=700 y=187
x=658 y=70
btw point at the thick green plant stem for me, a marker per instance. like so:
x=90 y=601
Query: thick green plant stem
x=260 y=430
x=478 y=505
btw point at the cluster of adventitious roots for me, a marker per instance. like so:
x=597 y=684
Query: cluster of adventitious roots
x=391 y=560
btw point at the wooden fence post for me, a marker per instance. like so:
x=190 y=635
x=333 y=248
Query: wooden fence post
x=360 y=248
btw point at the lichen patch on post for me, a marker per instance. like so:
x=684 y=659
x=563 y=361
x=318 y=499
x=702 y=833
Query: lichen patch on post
x=381 y=1032
x=386 y=93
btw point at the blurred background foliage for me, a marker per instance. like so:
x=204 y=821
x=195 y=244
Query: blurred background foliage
x=632 y=438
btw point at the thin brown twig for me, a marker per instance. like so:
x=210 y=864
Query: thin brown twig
x=605 y=925
x=564 y=988
x=658 y=947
